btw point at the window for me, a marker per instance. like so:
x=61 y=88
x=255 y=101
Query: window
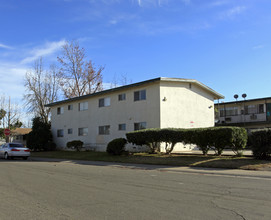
x=228 y=111
x=140 y=95
x=261 y=108
x=104 y=102
x=122 y=127
x=254 y=109
x=104 y=130
x=60 y=133
x=70 y=107
x=70 y=131
x=140 y=125
x=60 y=110
x=82 y=131
x=122 y=97
x=83 y=106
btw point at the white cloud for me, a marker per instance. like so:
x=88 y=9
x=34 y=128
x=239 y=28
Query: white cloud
x=257 y=47
x=160 y=3
x=5 y=46
x=48 y=49
x=218 y=3
x=12 y=83
x=233 y=12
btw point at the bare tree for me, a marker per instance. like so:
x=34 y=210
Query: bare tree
x=41 y=88
x=120 y=81
x=77 y=75
x=10 y=113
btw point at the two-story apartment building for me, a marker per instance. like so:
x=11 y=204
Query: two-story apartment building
x=251 y=114
x=98 y=118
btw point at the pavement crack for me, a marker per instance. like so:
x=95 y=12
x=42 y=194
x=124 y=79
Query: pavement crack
x=224 y=208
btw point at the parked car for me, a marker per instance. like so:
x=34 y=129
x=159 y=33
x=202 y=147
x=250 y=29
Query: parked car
x=11 y=150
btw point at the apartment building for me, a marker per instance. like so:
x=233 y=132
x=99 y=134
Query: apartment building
x=98 y=118
x=251 y=114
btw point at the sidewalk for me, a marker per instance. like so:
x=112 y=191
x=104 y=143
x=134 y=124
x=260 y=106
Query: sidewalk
x=162 y=168
x=211 y=152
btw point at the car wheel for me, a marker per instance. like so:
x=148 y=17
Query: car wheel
x=25 y=158
x=6 y=156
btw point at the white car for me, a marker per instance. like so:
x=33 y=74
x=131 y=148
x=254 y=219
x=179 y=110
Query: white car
x=11 y=150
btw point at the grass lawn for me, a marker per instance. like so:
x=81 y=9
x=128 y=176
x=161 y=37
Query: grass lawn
x=229 y=162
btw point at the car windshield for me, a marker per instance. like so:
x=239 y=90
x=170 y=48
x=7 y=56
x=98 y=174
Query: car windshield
x=16 y=145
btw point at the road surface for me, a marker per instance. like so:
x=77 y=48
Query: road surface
x=72 y=190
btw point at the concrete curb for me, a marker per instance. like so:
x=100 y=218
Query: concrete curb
x=162 y=168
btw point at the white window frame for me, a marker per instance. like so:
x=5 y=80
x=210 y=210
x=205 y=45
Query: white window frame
x=140 y=125
x=122 y=97
x=122 y=127
x=60 y=110
x=70 y=107
x=82 y=131
x=60 y=133
x=140 y=95
x=104 y=102
x=104 y=130
x=83 y=106
x=70 y=131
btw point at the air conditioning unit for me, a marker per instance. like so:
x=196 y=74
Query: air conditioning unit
x=253 y=117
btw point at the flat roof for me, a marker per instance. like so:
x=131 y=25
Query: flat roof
x=164 y=79
x=241 y=101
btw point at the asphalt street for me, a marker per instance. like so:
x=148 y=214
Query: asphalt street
x=59 y=189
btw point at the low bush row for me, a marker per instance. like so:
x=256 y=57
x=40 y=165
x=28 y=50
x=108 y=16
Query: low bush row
x=216 y=138
x=260 y=141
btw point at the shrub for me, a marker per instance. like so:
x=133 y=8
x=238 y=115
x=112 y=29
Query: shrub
x=76 y=144
x=40 y=138
x=261 y=143
x=150 y=137
x=216 y=138
x=154 y=136
x=200 y=138
x=239 y=142
x=116 y=146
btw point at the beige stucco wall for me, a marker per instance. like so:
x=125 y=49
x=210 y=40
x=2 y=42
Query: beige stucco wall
x=119 y=112
x=185 y=105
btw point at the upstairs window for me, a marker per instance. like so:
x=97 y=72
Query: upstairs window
x=122 y=97
x=60 y=110
x=140 y=125
x=254 y=109
x=104 y=130
x=70 y=107
x=140 y=95
x=104 y=102
x=83 y=106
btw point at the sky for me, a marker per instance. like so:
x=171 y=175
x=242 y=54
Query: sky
x=225 y=44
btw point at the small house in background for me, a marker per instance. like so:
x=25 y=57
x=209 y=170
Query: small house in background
x=18 y=135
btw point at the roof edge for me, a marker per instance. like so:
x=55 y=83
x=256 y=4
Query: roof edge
x=216 y=94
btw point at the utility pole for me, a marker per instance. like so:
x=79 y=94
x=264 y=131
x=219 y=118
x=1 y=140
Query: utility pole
x=8 y=136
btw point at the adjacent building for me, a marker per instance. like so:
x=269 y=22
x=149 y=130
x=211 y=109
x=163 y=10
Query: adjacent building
x=98 y=118
x=18 y=135
x=251 y=114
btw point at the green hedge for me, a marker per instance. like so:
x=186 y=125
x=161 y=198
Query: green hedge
x=116 y=146
x=261 y=143
x=216 y=138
